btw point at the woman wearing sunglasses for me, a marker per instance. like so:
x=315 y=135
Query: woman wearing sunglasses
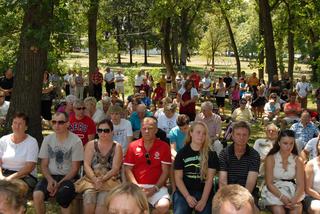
x=102 y=162
x=194 y=168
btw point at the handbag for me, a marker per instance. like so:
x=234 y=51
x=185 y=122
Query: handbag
x=85 y=183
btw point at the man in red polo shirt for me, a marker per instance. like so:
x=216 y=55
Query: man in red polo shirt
x=147 y=164
x=292 y=111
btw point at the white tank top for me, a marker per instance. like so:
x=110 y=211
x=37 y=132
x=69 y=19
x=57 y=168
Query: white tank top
x=316 y=175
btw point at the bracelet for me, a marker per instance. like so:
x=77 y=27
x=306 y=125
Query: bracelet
x=281 y=196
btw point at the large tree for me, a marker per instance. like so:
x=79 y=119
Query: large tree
x=31 y=63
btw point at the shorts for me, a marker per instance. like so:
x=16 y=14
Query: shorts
x=65 y=194
x=220 y=101
x=162 y=193
x=120 y=89
x=308 y=201
x=92 y=196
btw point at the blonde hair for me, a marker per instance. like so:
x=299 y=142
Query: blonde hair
x=204 y=156
x=132 y=190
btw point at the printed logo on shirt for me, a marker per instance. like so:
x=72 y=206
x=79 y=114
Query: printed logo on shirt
x=157 y=155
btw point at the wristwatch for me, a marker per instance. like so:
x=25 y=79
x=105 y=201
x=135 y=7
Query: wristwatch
x=157 y=188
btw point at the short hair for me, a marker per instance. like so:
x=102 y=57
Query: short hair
x=12 y=196
x=106 y=100
x=22 y=116
x=105 y=121
x=78 y=102
x=241 y=124
x=115 y=109
x=183 y=120
x=71 y=98
x=207 y=105
x=237 y=195
x=66 y=115
x=132 y=190
x=152 y=118
x=171 y=107
x=91 y=100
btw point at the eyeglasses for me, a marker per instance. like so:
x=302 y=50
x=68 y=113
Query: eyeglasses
x=104 y=130
x=59 y=122
x=271 y=130
x=81 y=108
x=147 y=155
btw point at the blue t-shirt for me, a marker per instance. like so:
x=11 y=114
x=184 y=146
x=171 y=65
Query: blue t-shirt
x=135 y=120
x=177 y=136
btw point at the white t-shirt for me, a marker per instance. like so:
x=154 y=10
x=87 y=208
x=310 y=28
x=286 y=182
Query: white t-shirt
x=166 y=124
x=206 y=82
x=121 y=132
x=4 y=109
x=14 y=156
x=138 y=80
x=119 y=77
x=98 y=116
x=108 y=76
x=62 y=154
x=303 y=88
x=194 y=92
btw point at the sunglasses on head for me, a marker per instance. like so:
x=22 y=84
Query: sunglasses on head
x=81 y=108
x=104 y=130
x=147 y=155
x=59 y=122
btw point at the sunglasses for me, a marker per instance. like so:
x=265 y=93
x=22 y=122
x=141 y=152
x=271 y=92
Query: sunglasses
x=147 y=155
x=59 y=122
x=104 y=130
x=81 y=108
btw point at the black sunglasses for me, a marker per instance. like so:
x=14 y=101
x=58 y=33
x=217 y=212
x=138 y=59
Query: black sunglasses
x=147 y=155
x=104 y=130
x=59 y=122
x=81 y=108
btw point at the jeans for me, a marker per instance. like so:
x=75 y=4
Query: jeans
x=180 y=204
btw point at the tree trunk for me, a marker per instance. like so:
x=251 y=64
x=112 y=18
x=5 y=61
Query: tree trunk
x=166 y=49
x=30 y=65
x=271 y=59
x=130 y=39
x=212 y=56
x=314 y=55
x=145 y=45
x=175 y=47
x=117 y=24
x=92 y=35
x=261 y=48
x=233 y=44
x=184 y=37
x=290 y=43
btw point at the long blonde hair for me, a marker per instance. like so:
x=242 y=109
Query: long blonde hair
x=204 y=156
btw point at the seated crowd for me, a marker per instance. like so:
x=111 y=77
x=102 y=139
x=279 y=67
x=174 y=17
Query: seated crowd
x=156 y=150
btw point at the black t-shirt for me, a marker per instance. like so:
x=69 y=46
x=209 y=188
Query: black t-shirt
x=228 y=81
x=6 y=84
x=189 y=161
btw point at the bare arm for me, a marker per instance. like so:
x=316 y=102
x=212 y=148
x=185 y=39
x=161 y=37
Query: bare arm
x=129 y=174
x=304 y=154
x=164 y=175
x=208 y=185
x=223 y=178
x=73 y=172
x=91 y=137
x=88 y=155
x=178 y=175
x=45 y=170
x=309 y=176
x=24 y=171
x=251 y=180
x=299 y=181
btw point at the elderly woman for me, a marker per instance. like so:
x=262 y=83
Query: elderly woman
x=102 y=162
x=167 y=118
x=284 y=189
x=19 y=153
x=92 y=111
x=187 y=97
x=264 y=145
x=68 y=107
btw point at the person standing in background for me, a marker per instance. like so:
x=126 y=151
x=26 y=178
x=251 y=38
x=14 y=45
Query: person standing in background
x=97 y=79
x=109 y=79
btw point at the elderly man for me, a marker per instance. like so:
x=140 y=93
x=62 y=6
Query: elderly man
x=233 y=199
x=80 y=124
x=213 y=122
x=136 y=118
x=239 y=162
x=61 y=154
x=4 y=106
x=147 y=164
x=304 y=130
x=291 y=110
x=303 y=89
x=96 y=114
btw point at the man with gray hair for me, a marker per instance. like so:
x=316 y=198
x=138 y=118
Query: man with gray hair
x=213 y=122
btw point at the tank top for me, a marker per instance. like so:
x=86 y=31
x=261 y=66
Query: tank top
x=98 y=158
x=316 y=175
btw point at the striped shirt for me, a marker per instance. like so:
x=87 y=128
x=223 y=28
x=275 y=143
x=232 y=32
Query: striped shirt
x=238 y=169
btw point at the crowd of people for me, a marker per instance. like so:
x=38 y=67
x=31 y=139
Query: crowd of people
x=157 y=148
